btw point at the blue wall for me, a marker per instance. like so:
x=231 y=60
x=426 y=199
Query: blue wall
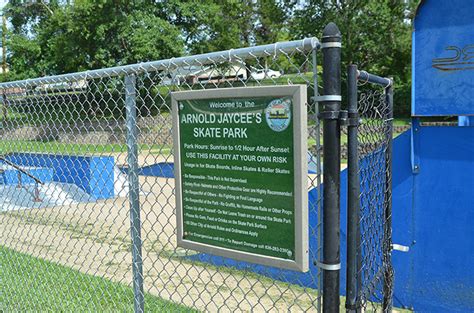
x=433 y=212
x=95 y=175
x=443 y=58
x=434 y=169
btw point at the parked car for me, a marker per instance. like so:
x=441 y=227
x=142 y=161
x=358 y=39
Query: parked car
x=262 y=74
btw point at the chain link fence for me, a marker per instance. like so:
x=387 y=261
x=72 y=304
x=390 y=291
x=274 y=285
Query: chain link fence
x=87 y=193
x=374 y=196
x=369 y=145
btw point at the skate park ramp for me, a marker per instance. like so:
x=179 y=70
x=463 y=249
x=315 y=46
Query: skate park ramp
x=50 y=194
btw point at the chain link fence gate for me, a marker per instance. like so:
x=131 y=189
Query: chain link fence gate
x=369 y=233
x=86 y=177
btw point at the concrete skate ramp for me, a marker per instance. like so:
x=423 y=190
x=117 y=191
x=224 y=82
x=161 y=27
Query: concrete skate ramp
x=51 y=194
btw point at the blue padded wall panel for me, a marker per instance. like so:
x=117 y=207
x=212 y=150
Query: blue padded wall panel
x=443 y=58
x=433 y=213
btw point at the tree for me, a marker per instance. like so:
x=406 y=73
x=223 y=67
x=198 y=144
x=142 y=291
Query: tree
x=376 y=34
x=212 y=25
x=272 y=21
x=218 y=25
x=68 y=36
x=25 y=16
x=88 y=35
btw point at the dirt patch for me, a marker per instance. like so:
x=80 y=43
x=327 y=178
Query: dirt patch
x=94 y=238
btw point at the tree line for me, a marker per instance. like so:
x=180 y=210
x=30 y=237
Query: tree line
x=58 y=36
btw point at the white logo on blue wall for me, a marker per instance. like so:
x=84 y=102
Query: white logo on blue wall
x=278 y=114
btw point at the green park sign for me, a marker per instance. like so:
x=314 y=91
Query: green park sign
x=241 y=173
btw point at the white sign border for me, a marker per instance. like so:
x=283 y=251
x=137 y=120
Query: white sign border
x=298 y=94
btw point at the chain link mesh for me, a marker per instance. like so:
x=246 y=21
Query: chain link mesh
x=375 y=276
x=64 y=192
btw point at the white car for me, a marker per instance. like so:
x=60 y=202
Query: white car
x=262 y=74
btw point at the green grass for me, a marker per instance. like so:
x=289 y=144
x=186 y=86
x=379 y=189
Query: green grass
x=401 y=121
x=54 y=147
x=31 y=284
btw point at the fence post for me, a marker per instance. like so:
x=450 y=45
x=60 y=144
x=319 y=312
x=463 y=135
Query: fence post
x=135 y=224
x=387 y=244
x=331 y=264
x=353 y=191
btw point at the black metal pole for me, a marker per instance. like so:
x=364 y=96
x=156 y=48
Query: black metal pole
x=331 y=46
x=374 y=79
x=353 y=192
x=387 y=245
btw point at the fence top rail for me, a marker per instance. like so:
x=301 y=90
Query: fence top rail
x=374 y=79
x=305 y=44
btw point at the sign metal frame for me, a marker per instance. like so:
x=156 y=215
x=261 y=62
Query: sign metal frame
x=300 y=167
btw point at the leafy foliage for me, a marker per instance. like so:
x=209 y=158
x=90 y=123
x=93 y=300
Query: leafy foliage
x=376 y=36
x=68 y=36
x=88 y=35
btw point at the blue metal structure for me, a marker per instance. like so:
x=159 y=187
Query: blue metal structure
x=466 y=120
x=94 y=175
x=443 y=58
x=433 y=210
x=433 y=177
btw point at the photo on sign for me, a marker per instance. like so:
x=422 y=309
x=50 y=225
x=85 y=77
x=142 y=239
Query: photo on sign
x=278 y=114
